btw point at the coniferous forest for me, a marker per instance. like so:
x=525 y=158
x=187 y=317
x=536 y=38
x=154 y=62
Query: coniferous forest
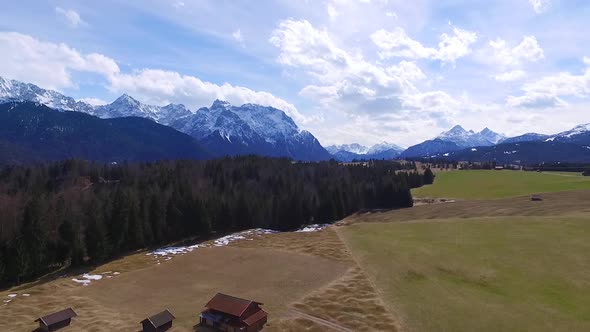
x=74 y=213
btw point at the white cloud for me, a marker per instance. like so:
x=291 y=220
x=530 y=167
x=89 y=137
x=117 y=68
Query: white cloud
x=539 y=6
x=455 y=46
x=528 y=50
x=93 y=101
x=587 y=60
x=391 y=14
x=397 y=43
x=162 y=87
x=549 y=89
x=535 y=100
x=237 y=35
x=51 y=65
x=47 y=64
x=70 y=15
x=346 y=82
x=178 y=4
x=332 y=12
x=513 y=75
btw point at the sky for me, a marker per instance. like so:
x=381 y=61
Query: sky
x=349 y=71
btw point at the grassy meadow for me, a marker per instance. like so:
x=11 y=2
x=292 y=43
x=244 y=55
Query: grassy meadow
x=480 y=274
x=486 y=184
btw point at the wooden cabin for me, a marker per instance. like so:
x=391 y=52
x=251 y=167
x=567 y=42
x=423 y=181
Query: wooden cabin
x=159 y=322
x=56 y=321
x=536 y=198
x=231 y=314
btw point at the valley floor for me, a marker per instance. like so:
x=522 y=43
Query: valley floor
x=484 y=265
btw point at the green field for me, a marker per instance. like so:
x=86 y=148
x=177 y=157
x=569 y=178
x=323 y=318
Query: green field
x=483 y=184
x=480 y=274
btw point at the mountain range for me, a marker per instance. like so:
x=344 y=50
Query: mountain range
x=355 y=151
x=222 y=129
x=33 y=132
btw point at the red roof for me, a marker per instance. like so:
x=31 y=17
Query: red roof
x=229 y=304
x=255 y=318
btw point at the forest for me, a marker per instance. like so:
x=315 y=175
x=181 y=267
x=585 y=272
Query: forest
x=74 y=213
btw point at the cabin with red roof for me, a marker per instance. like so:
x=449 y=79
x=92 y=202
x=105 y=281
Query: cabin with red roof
x=232 y=314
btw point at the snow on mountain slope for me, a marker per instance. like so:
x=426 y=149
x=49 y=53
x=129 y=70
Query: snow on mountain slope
x=528 y=137
x=256 y=129
x=578 y=135
x=464 y=138
x=384 y=146
x=352 y=148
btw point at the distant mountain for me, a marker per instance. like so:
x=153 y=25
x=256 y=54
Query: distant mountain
x=34 y=132
x=385 y=147
x=223 y=129
x=578 y=135
x=524 y=153
x=464 y=138
x=528 y=137
x=354 y=151
x=250 y=129
x=353 y=148
x=430 y=148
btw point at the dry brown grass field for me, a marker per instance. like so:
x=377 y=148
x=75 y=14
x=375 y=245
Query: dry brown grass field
x=280 y=270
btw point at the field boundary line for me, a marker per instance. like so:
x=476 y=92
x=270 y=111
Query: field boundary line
x=395 y=314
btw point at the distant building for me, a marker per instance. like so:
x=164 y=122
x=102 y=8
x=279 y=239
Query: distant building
x=228 y=313
x=536 y=198
x=499 y=168
x=56 y=321
x=159 y=322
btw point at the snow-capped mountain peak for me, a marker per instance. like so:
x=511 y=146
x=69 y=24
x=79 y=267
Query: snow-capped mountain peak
x=384 y=146
x=464 y=138
x=352 y=148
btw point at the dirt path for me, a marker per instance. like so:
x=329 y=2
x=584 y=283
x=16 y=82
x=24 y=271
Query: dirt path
x=294 y=313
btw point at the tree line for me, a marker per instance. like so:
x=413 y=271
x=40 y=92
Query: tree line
x=74 y=212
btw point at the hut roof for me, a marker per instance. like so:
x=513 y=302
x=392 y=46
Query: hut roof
x=160 y=319
x=229 y=304
x=57 y=317
x=255 y=318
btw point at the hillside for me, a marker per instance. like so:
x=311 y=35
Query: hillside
x=32 y=132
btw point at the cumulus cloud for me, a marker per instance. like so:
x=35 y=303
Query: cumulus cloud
x=47 y=64
x=535 y=100
x=546 y=92
x=528 y=50
x=539 y=6
x=344 y=80
x=513 y=75
x=93 y=101
x=71 y=16
x=237 y=35
x=51 y=65
x=397 y=43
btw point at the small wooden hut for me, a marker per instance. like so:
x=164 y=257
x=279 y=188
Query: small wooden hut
x=56 y=321
x=536 y=198
x=159 y=322
x=228 y=313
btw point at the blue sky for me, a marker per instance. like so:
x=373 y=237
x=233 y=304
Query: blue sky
x=347 y=70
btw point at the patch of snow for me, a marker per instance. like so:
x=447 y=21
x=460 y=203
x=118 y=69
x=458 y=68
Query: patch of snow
x=26 y=295
x=446 y=154
x=220 y=242
x=82 y=281
x=92 y=276
x=116 y=273
x=473 y=149
x=312 y=228
x=12 y=295
x=7 y=301
x=550 y=139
